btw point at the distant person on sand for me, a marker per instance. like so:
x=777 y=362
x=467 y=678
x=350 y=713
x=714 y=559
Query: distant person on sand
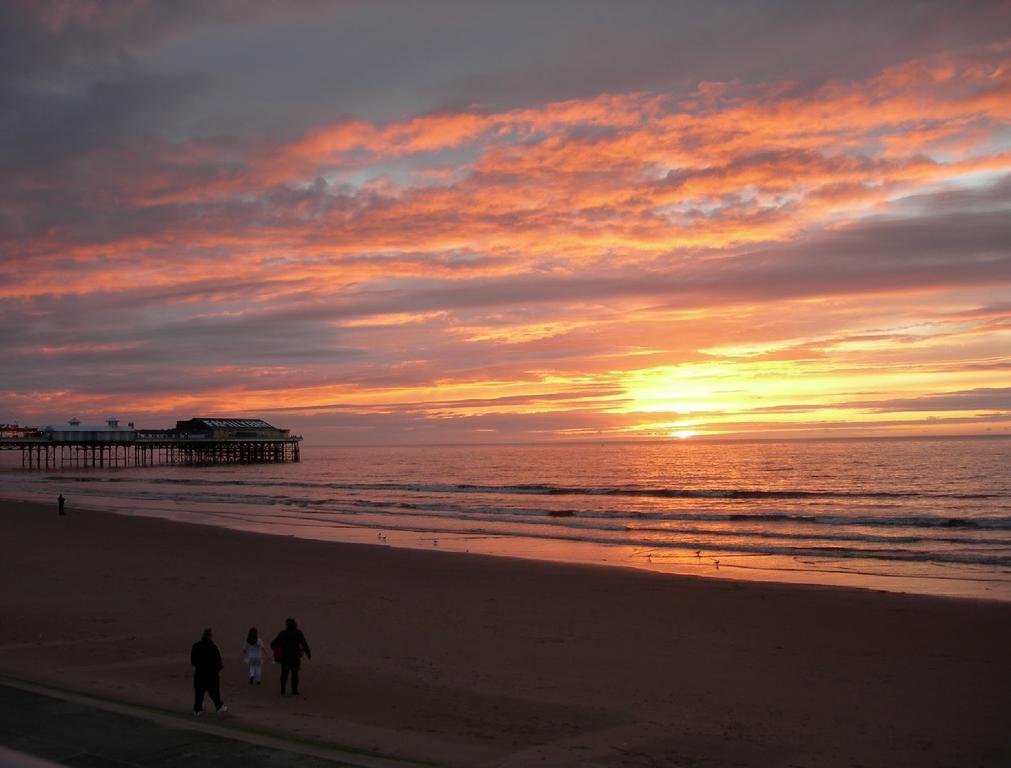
x=290 y=644
x=61 y=501
x=206 y=661
x=253 y=652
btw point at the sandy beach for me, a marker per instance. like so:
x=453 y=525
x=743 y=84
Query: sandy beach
x=462 y=660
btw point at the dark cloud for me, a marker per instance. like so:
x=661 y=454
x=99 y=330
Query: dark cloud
x=59 y=40
x=999 y=310
x=882 y=256
x=72 y=78
x=578 y=398
x=865 y=427
x=997 y=399
x=388 y=59
x=983 y=197
x=982 y=399
x=270 y=68
x=42 y=127
x=989 y=366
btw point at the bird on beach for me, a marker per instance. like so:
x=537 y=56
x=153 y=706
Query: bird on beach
x=698 y=553
x=717 y=564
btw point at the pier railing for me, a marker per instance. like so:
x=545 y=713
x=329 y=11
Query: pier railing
x=41 y=452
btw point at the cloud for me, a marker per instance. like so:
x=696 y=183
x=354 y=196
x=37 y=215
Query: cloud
x=464 y=262
x=982 y=399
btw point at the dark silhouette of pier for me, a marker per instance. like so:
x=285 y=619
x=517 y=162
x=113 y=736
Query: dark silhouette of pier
x=199 y=441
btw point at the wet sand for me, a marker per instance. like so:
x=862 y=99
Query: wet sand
x=464 y=660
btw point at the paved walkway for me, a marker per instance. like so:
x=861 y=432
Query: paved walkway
x=74 y=730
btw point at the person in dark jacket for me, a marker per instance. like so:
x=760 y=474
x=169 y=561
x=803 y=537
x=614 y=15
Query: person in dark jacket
x=290 y=645
x=206 y=661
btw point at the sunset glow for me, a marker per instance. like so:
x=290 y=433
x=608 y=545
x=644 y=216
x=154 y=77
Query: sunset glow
x=668 y=250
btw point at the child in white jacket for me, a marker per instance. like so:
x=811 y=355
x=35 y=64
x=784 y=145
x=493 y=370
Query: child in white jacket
x=253 y=653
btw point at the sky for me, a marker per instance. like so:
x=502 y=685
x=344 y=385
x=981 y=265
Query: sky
x=430 y=222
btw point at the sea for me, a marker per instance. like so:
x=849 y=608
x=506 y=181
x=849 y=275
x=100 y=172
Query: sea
x=929 y=516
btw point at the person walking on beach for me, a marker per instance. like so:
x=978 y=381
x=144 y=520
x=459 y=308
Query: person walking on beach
x=253 y=652
x=61 y=501
x=290 y=644
x=206 y=661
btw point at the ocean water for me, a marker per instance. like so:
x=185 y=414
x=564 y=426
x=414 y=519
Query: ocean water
x=929 y=516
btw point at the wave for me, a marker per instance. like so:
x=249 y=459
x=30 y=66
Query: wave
x=713 y=546
x=254 y=492
x=572 y=520
x=918 y=521
x=769 y=537
x=692 y=493
x=720 y=547
x=547 y=489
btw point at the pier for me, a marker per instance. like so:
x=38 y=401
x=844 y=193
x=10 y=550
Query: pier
x=198 y=441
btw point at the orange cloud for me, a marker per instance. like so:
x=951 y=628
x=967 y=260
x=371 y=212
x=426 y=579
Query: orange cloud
x=629 y=242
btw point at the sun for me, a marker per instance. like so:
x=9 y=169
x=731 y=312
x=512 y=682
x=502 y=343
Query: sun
x=683 y=434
